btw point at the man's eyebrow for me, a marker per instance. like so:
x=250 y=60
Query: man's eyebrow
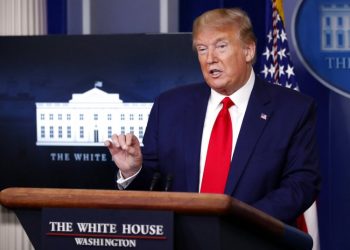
x=220 y=39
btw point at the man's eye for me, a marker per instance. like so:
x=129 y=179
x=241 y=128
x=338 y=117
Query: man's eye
x=221 y=46
x=201 y=50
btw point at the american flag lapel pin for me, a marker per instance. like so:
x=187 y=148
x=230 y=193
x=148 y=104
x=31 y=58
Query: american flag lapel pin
x=263 y=116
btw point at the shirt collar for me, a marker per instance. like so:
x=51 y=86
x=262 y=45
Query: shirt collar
x=240 y=97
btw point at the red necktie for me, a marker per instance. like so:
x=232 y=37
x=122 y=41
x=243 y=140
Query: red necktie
x=218 y=159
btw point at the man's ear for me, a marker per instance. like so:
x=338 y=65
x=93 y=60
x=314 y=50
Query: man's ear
x=249 y=52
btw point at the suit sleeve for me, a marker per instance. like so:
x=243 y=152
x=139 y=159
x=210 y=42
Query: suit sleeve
x=300 y=178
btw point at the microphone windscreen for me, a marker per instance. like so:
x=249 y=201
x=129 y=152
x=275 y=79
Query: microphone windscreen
x=169 y=182
x=155 y=179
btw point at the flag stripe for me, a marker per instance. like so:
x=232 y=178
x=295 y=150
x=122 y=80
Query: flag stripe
x=311 y=221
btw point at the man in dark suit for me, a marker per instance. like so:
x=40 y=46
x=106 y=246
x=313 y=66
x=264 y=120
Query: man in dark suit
x=273 y=161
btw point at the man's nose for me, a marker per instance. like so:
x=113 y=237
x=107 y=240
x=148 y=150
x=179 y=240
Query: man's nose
x=211 y=56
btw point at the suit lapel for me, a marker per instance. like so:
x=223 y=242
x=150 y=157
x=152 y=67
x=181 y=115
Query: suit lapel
x=193 y=126
x=255 y=119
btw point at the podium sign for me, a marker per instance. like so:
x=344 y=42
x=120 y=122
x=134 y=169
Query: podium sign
x=75 y=228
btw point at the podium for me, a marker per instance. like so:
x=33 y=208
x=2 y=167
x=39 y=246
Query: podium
x=201 y=221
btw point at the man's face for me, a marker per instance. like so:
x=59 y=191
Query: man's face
x=225 y=61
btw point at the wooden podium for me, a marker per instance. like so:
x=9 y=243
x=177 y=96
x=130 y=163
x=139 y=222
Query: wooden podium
x=201 y=221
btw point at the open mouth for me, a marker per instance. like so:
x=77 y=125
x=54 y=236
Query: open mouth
x=215 y=72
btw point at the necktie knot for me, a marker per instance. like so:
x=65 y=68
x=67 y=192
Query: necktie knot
x=226 y=102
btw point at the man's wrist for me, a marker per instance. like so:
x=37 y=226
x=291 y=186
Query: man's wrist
x=123 y=181
x=129 y=174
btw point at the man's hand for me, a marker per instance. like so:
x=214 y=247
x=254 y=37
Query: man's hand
x=126 y=153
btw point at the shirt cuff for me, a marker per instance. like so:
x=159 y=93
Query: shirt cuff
x=122 y=182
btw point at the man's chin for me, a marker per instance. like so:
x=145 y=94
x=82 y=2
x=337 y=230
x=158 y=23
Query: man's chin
x=217 y=85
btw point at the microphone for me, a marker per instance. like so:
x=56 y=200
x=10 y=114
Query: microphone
x=169 y=182
x=155 y=179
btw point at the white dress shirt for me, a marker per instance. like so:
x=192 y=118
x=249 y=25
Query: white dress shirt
x=240 y=99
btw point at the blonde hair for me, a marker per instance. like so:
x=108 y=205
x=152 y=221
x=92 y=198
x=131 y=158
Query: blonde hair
x=219 y=18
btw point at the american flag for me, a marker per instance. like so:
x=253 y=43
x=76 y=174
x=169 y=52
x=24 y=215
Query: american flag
x=277 y=68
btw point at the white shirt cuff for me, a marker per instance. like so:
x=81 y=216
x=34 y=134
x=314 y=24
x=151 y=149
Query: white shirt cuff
x=122 y=182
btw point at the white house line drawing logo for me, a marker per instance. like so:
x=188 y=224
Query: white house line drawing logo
x=335 y=27
x=88 y=119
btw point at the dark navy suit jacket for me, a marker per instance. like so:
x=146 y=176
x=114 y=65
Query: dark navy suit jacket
x=275 y=165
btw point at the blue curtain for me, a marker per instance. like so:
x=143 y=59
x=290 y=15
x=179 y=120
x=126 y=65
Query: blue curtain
x=57 y=17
